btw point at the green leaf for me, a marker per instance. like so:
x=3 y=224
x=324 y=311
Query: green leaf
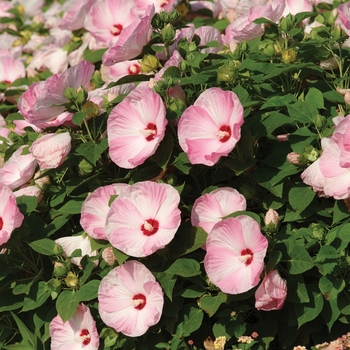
x=71 y=207
x=93 y=56
x=302 y=112
x=87 y=292
x=56 y=224
x=182 y=163
x=190 y=318
x=25 y=333
x=197 y=79
x=308 y=312
x=39 y=293
x=300 y=196
x=315 y=97
x=167 y=281
x=92 y=151
x=19 y=347
x=193 y=291
x=279 y=101
x=134 y=78
x=120 y=256
x=330 y=286
x=26 y=204
x=66 y=305
x=184 y=267
x=300 y=261
x=44 y=246
x=210 y=304
x=164 y=151
x=79 y=117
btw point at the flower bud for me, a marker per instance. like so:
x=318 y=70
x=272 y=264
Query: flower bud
x=318 y=231
x=157 y=22
x=85 y=167
x=271 y=217
x=149 y=63
x=289 y=56
x=271 y=31
x=267 y=47
x=82 y=95
x=330 y=64
x=311 y=153
x=57 y=250
x=183 y=9
x=296 y=159
x=168 y=32
x=59 y=270
x=71 y=280
x=174 y=16
x=320 y=121
x=89 y=105
x=286 y=23
x=226 y=74
x=176 y=105
x=108 y=256
x=70 y=93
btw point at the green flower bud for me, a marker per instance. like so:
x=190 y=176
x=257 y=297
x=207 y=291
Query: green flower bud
x=183 y=66
x=286 y=23
x=320 y=121
x=318 y=231
x=271 y=31
x=183 y=9
x=57 y=250
x=71 y=280
x=168 y=32
x=336 y=33
x=226 y=74
x=311 y=153
x=70 y=93
x=289 y=56
x=82 y=95
x=174 y=16
x=267 y=48
x=85 y=167
x=149 y=63
x=243 y=46
x=59 y=270
x=157 y=22
x=164 y=16
x=176 y=105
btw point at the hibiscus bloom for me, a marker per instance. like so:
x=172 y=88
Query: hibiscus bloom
x=78 y=333
x=95 y=209
x=135 y=127
x=130 y=299
x=272 y=292
x=18 y=169
x=131 y=40
x=144 y=218
x=51 y=150
x=211 y=127
x=235 y=255
x=212 y=207
x=11 y=69
x=10 y=216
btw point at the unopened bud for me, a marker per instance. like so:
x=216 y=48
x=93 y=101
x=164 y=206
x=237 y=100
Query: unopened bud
x=318 y=231
x=267 y=47
x=295 y=159
x=330 y=64
x=59 y=270
x=289 y=56
x=174 y=16
x=271 y=220
x=57 y=250
x=157 y=22
x=320 y=121
x=286 y=23
x=82 y=95
x=168 y=32
x=70 y=93
x=71 y=280
x=85 y=167
x=176 y=105
x=108 y=256
x=92 y=107
x=226 y=74
x=149 y=63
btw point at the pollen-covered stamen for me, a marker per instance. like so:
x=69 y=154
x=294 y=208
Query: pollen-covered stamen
x=149 y=132
x=150 y=227
x=139 y=301
x=246 y=256
x=224 y=133
x=116 y=29
x=84 y=337
x=134 y=69
x=1 y=223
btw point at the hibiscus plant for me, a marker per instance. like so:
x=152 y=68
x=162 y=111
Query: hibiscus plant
x=174 y=174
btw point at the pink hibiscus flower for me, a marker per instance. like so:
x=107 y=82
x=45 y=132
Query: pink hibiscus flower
x=78 y=333
x=272 y=292
x=43 y=101
x=10 y=216
x=95 y=209
x=135 y=127
x=106 y=19
x=11 y=69
x=130 y=299
x=144 y=218
x=51 y=150
x=18 y=169
x=212 y=207
x=235 y=255
x=211 y=127
x=160 y=5
x=344 y=17
x=131 y=40
x=120 y=70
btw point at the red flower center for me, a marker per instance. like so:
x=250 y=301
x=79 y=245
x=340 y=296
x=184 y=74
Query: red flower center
x=116 y=29
x=150 y=227
x=134 y=69
x=246 y=256
x=1 y=223
x=85 y=337
x=150 y=131
x=7 y=82
x=164 y=3
x=139 y=301
x=224 y=133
